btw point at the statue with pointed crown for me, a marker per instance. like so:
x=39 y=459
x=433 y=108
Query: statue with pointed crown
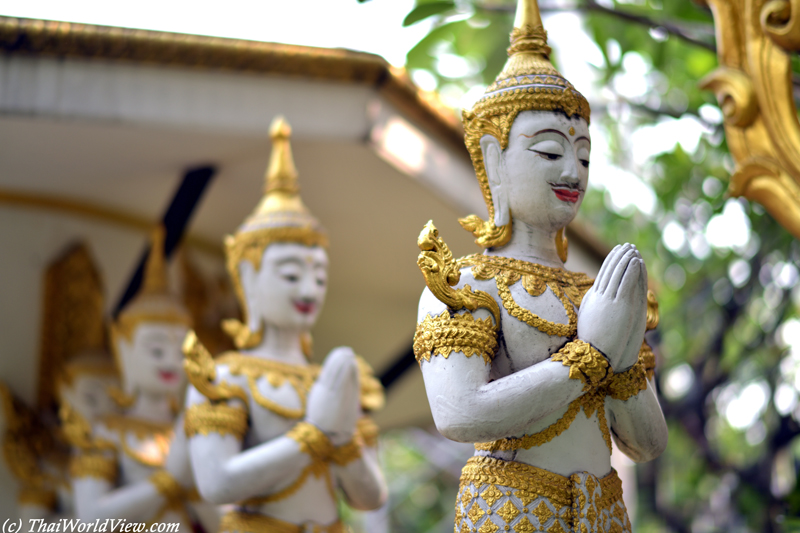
x=269 y=431
x=135 y=465
x=538 y=374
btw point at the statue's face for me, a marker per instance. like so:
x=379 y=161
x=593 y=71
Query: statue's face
x=88 y=395
x=153 y=360
x=289 y=289
x=545 y=168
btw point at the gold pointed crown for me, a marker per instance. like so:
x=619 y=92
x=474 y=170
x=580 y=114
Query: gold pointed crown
x=154 y=301
x=528 y=82
x=281 y=216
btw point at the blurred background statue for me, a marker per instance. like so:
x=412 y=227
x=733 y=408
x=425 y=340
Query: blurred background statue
x=539 y=374
x=269 y=431
x=133 y=465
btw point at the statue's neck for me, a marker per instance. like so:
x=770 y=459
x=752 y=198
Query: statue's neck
x=153 y=407
x=530 y=243
x=281 y=344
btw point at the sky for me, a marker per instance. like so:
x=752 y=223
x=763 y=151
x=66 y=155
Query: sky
x=374 y=26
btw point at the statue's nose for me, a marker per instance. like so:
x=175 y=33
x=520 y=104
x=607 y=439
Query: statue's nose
x=570 y=173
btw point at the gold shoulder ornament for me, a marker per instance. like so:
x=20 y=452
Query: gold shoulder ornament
x=201 y=371
x=442 y=273
x=452 y=331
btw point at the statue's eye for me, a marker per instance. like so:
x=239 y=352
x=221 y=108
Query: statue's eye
x=291 y=278
x=585 y=163
x=549 y=156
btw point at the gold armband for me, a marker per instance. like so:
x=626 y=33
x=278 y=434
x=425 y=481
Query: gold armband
x=93 y=464
x=444 y=334
x=37 y=496
x=312 y=441
x=585 y=363
x=205 y=418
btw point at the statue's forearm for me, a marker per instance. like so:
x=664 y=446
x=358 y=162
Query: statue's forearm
x=96 y=499
x=468 y=408
x=362 y=481
x=638 y=425
x=225 y=474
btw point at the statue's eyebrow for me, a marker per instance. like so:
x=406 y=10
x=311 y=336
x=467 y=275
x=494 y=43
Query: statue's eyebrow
x=543 y=131
x=585 y=138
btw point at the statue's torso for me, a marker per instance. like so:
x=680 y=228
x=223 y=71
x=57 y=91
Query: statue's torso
x=276 y=398
x=581 y=446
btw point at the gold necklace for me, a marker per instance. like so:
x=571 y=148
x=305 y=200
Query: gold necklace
x=569 y=288
x=300 y=377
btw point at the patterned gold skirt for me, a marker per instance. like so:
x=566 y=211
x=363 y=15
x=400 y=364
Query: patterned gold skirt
x=244 y=522
x=496 y=495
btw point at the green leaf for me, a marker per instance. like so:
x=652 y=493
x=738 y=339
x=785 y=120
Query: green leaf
x=421 y=12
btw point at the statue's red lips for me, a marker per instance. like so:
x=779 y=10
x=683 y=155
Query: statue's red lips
x=566 y=194
x=304 y=307
x=168 y=375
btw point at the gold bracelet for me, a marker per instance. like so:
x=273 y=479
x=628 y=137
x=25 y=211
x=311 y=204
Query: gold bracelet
x=93 y=464
x=312 y=441
x=347 y=453
x=445 y=334
x=585 y=363
x=205 y=418
x=167 y=486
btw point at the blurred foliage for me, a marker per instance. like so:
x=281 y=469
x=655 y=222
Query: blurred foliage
x=729 y=362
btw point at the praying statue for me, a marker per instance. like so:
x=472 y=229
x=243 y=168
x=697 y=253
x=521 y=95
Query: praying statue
x=540 y=367
x=133 y=464
x=268 y=431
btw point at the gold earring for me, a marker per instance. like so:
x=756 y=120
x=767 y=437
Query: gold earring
x=562 y=245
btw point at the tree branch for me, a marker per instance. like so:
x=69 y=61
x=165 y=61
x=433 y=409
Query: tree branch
x=671 y=28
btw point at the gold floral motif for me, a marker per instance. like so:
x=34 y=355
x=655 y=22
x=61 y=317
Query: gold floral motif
x=585 y=363
x=441 y=274
x=508 y=512
x=445 y=334
x=488 y=527
x=491 y=495
x=551 y=503
x=93 y=464
x=244 y=522
x=205 y=418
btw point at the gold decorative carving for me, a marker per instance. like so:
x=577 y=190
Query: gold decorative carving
x=78 y=431
x=312 y=441
x=205 y=418
x=158 y=434
x=72 y=319
x=441 y=274
x=753 y=85
x=444 y=334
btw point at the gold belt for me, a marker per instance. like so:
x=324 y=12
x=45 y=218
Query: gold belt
x=245 y=522
x=523 y=498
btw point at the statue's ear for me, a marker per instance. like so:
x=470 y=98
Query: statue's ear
x=249 y=279
x=493 y=162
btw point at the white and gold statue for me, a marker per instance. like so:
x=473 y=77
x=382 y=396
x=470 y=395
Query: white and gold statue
x=134 y=465
x=267 y=430
x=537 y=365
